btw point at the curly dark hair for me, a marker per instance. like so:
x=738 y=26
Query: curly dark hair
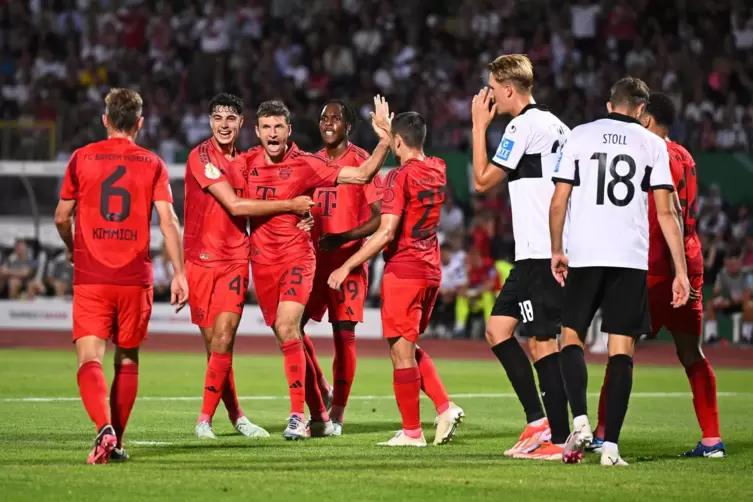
x=661 y=107
x=226 y=100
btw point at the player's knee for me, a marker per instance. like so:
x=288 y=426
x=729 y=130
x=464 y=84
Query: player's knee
x=90 y=348
x=542 y=347
x=286 y=331
x=495 y=335
x=621 y=345
x=570 y=337
x=126 y=356
x=403 y=353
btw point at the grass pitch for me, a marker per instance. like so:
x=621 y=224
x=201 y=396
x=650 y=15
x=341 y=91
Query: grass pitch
x=44 y=442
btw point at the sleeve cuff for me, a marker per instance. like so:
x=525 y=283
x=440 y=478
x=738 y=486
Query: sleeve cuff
x=563 y=180
x=663 y=187
x=501 y=166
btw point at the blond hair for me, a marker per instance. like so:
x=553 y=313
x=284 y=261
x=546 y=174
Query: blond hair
x=123 y=108
x=514 y=68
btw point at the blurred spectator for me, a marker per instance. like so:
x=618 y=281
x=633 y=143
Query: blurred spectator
x=162 y=270
x=732 y=295
x=454 y=283
x=18 y=269
x=482 y=290
x=451 y=218
x=714 y=221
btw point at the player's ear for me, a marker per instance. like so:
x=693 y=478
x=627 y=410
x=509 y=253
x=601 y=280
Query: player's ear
x=139 y=124
x=256 y=128
x=641 y=109
x=105 y=122
x=290 y=130
x=240 y=122
x=609 y=107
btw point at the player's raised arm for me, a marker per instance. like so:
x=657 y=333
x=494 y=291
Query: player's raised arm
x=485 y=174
x=381 y=121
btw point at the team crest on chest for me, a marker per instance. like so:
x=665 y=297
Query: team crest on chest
x=211 y=172
x=285 y=172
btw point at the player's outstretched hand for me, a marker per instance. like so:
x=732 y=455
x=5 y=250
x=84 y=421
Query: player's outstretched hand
x=559 y=267
x=301 y=205
x=337 y=278
x=330 y=242
x=306 y=223
x=482 y=109
x=381 y=118
x=69 y=254
x=680 y=290
x=179 y=292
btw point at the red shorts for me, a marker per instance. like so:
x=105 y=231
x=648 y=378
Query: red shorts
x=345 y=304
x=120 y=313
x=212 y=290
x=687 y=319
x=407 y=306
x=288 y=282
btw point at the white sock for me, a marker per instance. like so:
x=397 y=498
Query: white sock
x=580 y=421
x=747 y=330
x=710 y=330
x=610 y=449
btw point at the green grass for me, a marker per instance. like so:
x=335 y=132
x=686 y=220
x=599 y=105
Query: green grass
x=43 y=445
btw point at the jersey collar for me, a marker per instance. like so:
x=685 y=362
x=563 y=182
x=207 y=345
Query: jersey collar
x=533 y=106
x=623 y=118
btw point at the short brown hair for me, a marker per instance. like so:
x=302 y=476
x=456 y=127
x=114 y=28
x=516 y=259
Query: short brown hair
x=123 y=108
x=514 y=68
x=273 y=108
x=630 y=92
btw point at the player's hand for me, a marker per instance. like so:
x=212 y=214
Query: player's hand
x=69 y=255
x=337 y=278
x=381 y=118
x=482 y=109
x=301 y=205
x=179 y=292
x=306 y=223
x=680 y=290
x=559 y=267
x=330 y=242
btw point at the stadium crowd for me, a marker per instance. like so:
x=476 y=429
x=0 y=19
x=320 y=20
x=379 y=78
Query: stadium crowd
x=60 y=57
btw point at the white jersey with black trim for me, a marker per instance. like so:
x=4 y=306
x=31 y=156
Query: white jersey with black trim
x=528 y=152
x=612 y=163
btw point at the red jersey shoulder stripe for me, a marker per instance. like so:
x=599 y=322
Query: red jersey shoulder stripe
x=361 y=152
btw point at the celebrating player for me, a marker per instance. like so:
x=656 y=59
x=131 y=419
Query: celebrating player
x=602 y=179
x=527 y=155
x=216 y=244
x=686 y=323
x=112 y=186
x=413 y=196
x=282 y=256
x=345 y=215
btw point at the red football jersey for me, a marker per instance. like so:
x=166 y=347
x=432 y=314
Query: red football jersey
x=345 y=207
x=415 y=191
x=276 y=239
x=683 y=170
x=211 y=235
x=114 y=183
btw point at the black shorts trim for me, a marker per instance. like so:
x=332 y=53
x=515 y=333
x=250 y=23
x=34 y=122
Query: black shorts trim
x=620 y=293
x=533 y=297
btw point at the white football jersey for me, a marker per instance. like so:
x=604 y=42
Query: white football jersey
x=611 y=163
x=528 y=152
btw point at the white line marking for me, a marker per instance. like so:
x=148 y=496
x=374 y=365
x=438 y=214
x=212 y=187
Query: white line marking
x=649 y=395
x=150 y=443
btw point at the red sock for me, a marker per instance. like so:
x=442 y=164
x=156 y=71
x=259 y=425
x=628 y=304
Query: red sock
x=295 y=371
x=125 y=386
x=431 y=384
x=602 y=416
x=703 y=384
x=314 y=401
x=92 y=387
x=407 y=385
x=214 y=383
x=344 y=371
x=230 y=398
x=319 y=377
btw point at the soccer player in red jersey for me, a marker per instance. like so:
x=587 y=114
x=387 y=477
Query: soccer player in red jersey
x=685 y=323
x=216 y=252
x=344 y=216
x=112 y=185
x=412 y=198
x=282 y=256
